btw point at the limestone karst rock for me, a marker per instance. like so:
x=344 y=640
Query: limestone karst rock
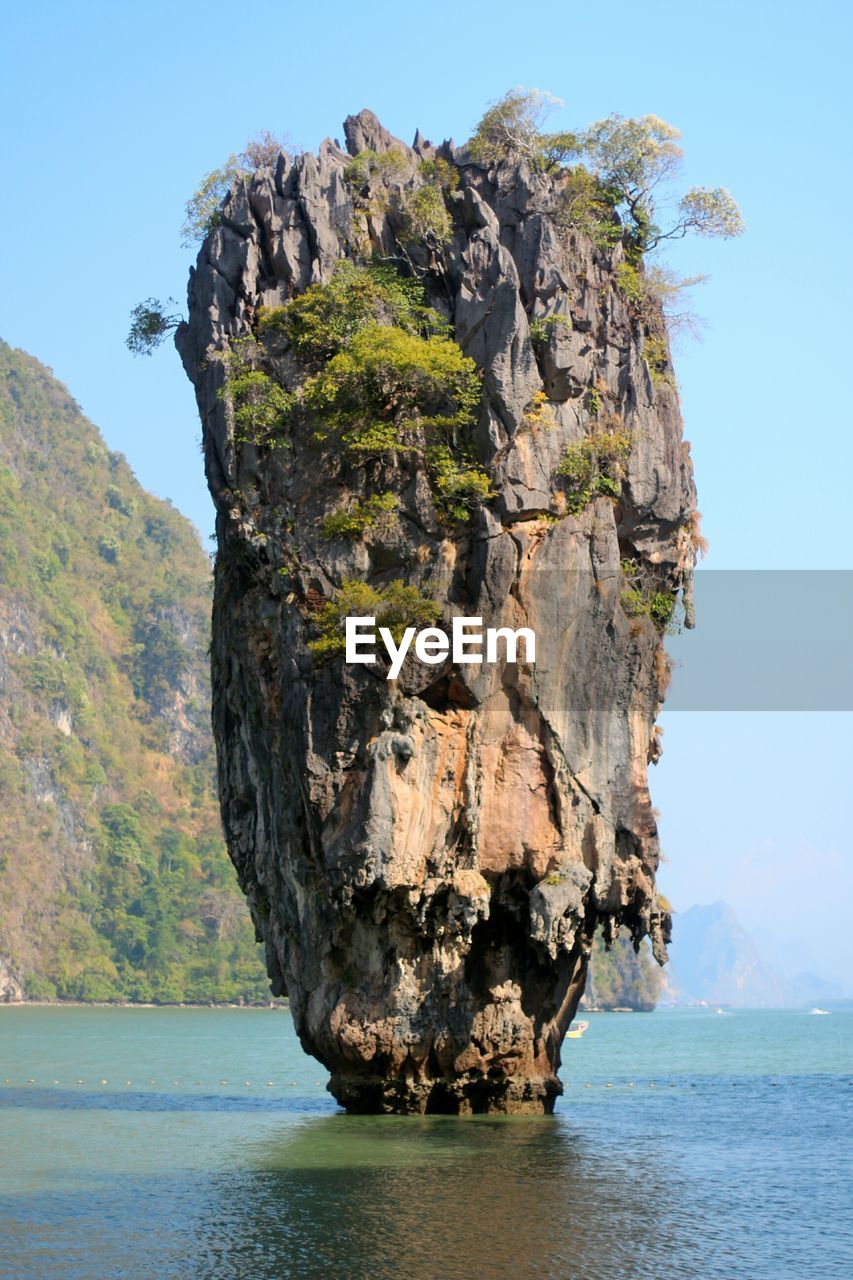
x=427 y=859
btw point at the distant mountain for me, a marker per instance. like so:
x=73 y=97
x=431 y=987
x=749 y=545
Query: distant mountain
x=809 y=988
x=114 y=882
x=715 y=960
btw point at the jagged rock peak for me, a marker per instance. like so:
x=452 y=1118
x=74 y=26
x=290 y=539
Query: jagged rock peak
x=363 y=132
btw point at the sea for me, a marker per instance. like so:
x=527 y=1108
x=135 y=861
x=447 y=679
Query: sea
x=147 y=1144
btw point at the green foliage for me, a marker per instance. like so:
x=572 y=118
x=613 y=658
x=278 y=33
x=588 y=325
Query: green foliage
x=395 y=606
x=633 y=154
x=326 y=317
x=630 y=283
x=594 y=401
x=39 y=987
x=387 y=378
x=633 y=157
x=150 y=322
x=109 y=548
x=608 y=486
x=587 y=205
x=633 y=602
x=625 y=162
x=426 y=216
x=659 y=606
x=440 y=172
x=709 y=212
x=662 y=609
x=382 y=166
x=555 y=149
x=511 y=127
x=260 y=406
x=592 y=468
x=352 y=522
x=656 y=356
x=371 y=440
x=459 y=486
x=641 y=599
x=387 y=367
x=116 y=884
x=652 y=290
x=204 y=208
x=541 y=327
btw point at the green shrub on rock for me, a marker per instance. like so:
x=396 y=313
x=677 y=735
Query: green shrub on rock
x=259 y=405
x=364 y=515
x=592 y=467
x=426 y=217
x=612 y=195
x=630 y=283
x=586 y=204
x=459 y=486
x=641 y=599
x=386 y=166
x=203 y=211
x=439 y=171
x=541 y=327
x=657 y=358
x=151 y=322
x=511 y=127
x=387 y=378
x=395 y=606
x=325 y=318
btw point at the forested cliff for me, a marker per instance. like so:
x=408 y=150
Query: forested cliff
x=114 y=883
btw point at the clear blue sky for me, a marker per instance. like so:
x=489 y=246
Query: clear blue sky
x=111 y=113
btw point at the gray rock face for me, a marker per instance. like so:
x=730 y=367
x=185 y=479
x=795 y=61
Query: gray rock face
x=427 y=859
x=11 y=990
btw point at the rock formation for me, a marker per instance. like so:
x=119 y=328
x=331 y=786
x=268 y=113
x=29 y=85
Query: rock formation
x=427 y=859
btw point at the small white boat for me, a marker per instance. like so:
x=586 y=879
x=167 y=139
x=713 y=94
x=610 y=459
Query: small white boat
x=576 y=1030
x=821 y=1012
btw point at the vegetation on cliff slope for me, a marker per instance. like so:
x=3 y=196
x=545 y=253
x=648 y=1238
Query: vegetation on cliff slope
x=622 y=978
x=114 y=882
x=382 y=376
x=614 y=172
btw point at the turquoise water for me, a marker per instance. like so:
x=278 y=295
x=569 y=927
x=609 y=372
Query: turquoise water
x=149 y=1144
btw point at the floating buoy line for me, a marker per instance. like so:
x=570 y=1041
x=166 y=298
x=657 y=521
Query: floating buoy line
x=104 y=1082
x=175 y=1084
